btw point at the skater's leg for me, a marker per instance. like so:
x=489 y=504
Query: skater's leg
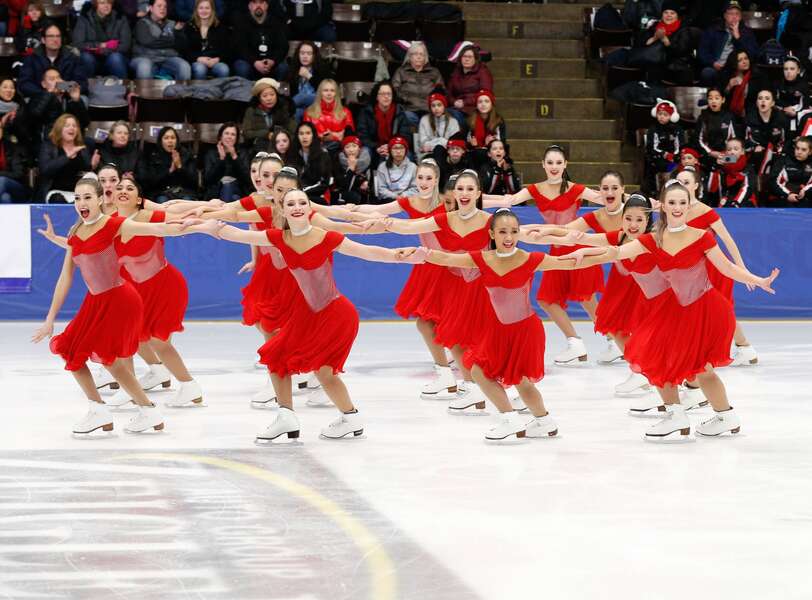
x=621 y=340
x=714 y=389
x=85 y=381
x=147 y=353
x=560 y=317
x=284 y=390
x=457 y=352
x=669 y=393
x=335 y=389
x=121 y=371
x=492 y=390
x=169 y=356
x=531 y=396
x=739 y=337
x=591 y=307
x=426 y=329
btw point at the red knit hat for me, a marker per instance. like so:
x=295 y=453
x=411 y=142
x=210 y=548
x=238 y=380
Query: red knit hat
x=487 y=93
x=689 y=151
x=456 y=143
x=398 y=139
x=350 y=139
x=438 y=97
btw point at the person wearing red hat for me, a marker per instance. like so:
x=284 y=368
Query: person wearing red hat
x=396 y=176
x=664 y=139
x=453 y=158
x=485 y=124
x=435 y=127
x=351 y=171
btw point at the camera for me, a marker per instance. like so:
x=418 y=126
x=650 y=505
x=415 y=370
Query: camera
x=727 y=158
x=65 y=86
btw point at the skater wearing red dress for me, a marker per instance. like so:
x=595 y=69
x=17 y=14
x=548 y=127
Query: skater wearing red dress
x=704 y=217
x=107 y=327
x=422 y=295
x=558 y=200
x=690 y=332
x=323 y=324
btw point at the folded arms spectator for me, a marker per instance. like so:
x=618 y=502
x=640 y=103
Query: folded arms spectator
x=119 y=149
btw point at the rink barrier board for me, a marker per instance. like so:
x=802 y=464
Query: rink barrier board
x=766 y=238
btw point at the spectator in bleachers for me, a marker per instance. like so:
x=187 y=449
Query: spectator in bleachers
x=381 y=120
x=792 y=182
x=742 y=80
x=30 y=35
x=306 y=73
x=281 y=144
x=261 y=43
x=104 y=38
x=15 y=10
x=497 y=175
x=738 y=185
x=167 y=171
x=54 y=98
x=311 y=20
x=13 y=111
x=329 y=116
x=414 y=80
x=157 y=43
x=766 y=129
x=469 y=76
x=436 y=126
x=225 y=167
x=12 y=169
x=119 y=148
x=664 y=140
x=206 y=42
x=720 y=41
x=185 y=10
x=266 y=111
x=63 y=159
x=51 y=54
x=792 y=95
x=453 y=158
x=689 y=157
x=640 y=14
x=714 y=128
x=313 y=163
x=484 y=125
x=351 y=168
x=395 y=177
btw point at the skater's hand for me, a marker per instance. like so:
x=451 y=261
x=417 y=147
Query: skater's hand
x=46 y=330
x=579 y=255
x=187 y=225
x=48 y=233
x=571 y=238
x=766 y=282
x=216 y=202
x=247 y=267
x=211 y=228
x=414 y=256
x=192 y=213
x=373 y=225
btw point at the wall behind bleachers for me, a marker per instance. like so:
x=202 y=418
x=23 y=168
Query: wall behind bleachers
x=768 y=237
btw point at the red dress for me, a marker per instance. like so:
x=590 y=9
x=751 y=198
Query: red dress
x=108 y=323
x=559 y=287
x=423 y=294
x=161 y=286
x=719 y=281
x=511 y=346
x=466 y=309
x=691 y=328
x=619 y=308
x=323 y=324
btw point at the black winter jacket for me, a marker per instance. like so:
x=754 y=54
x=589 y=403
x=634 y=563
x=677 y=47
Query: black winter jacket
x=663 y=144
x=214 y=169
x=57 y=171
x=713 y=129
x=256 y=41
x=316 y=175
x=153 y=173
x=90 y=31
x=793 y=176
x=34 y=66
x=216 y=45
x=497 y=180
x=303 y=18
x=126 y=158
x=44 y=108
x=15 y=161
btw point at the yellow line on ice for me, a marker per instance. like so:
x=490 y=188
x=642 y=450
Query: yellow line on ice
x=381 y=569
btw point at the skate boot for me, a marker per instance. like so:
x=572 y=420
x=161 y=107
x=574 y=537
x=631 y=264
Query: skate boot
x=442 y=387
x=647 y=406
x=635 y=384
x=611 y=354
x=120 y=401
x=468 y=395
x=189 y=395
x=286 y=422
x=723 y=422
x=148 y=417
x=304 y=383
x=509 y=424
x=347 y=424
x=744 y=356
x=265 y=398
x=574 y=354
x=675 y=427
x=103 y=378
x=692 y=398
x=318 y=399
x=541 y=427
x=157 y=375
x=97 y=417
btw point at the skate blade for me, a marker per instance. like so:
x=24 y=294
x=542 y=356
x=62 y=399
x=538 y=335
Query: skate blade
x=305 y=391
x=283 y=439
x=675 y=437
x=725 y=434
x=123 y=408
x=511 y=440
x=695 y=407
x=547 y=436
x=575 y=363
x=100 y=433
x=351 y=435
x=443 y=396
x=154 y=430
x=187 y=405
x=657 y=412
x=113 y=385
x=319 y=404
x=615 y=361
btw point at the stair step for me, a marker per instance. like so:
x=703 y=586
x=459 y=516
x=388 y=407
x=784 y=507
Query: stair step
x=543 y=68
x=523 y=29
x=562 y=129
x=588 y=173
x=577 y=150
x=532 y=48
x=523 y=12
x=550 y=88
x=548 y=108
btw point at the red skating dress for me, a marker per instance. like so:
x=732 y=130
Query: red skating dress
x=161 y=286
x=108 y=323
x=653 y=285
x=719 y=281
x=691 y=328
x=621 y=302
x=423 y=294
x=466 y=307
x=323 y=324
x=258 y=295
x=511 y=346
x=559 y=287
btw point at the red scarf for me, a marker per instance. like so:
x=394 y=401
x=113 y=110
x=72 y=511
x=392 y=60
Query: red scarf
x=739 y=95
x=384 y=121
x=2 y=156
x=669 y=29
x=480 y=131
x=733 y=171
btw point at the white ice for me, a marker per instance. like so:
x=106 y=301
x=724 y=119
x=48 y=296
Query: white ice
x=593 y=513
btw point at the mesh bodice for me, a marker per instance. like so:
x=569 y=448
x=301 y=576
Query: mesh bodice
x=689 y=284
x=318 y=285
x=652 y=284
x=147 y=265
x=511 y=305
x=100 y=270
x=429 y=240
x=560 y=217
x=277 y=259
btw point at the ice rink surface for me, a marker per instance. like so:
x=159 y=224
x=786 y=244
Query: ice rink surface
x=420 y=508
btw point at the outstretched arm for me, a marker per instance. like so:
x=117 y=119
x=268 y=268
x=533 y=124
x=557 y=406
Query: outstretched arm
x=322 y=221
x=182 y=206
x=61 y=290
x=389 y=208
x=549 y=234
x=447 y=259
x=411 y=226
x=506 y=201
x=720 y=230
x=593 y=196
x=588 y=257
x=131 y=228
x=740 y=274
x=49 y=234
x=376 y=253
